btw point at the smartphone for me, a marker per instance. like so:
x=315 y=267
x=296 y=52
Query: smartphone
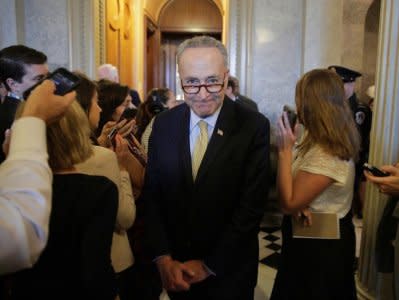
x=111 y=136
x=374 y=170
x=292 y=116
x=64 y=80
x=129 y=114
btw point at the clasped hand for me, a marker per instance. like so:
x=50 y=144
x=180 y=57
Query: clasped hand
x=177 y=276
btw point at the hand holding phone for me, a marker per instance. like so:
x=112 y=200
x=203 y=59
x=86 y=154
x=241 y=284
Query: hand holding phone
x=128 y=114
x=292 y=116
x=111 y=136
x=65 y=81
x=374 y=170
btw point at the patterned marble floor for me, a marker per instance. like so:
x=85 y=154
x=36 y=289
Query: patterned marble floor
x=270 y=254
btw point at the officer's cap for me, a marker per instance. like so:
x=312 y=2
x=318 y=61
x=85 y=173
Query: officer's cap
x=347 y=75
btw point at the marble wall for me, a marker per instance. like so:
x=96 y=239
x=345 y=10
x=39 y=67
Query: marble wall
x=47 y=29
x=276 y=54
x=271 y=43
x=359 y=49
x=291 y=37
x=40 y=24
x=8 y=23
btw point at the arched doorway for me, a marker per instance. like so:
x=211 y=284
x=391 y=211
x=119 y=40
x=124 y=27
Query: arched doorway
x=178 y=20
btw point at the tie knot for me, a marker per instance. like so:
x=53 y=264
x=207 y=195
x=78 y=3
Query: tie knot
x=202 y=125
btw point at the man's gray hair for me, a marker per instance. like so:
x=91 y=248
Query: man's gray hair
x=202 y=41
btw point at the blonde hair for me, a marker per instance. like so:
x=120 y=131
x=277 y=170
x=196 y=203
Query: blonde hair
x=326 y=116
x=68 y=138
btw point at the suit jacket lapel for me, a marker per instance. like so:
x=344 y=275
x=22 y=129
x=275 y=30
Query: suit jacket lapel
x=185 y=149
x=223 y=129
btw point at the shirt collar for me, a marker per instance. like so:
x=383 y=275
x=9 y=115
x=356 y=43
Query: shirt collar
x=211 y=120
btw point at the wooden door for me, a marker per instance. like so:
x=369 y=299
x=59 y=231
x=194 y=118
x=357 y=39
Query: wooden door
x=119 y=38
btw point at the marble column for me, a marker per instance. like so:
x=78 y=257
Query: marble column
x=240 y=42
x=384 y=148
x=9 y=31
x=322 y=50
x=87 y=35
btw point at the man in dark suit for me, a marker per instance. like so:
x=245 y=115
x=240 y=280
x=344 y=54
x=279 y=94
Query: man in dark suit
x=21 y=68
x=206 y=183
x=233 y=92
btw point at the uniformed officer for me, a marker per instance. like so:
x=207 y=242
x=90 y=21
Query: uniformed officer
x=362 y=117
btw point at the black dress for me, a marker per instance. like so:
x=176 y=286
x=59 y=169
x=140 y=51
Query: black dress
x=315 y=269
x=76 y=262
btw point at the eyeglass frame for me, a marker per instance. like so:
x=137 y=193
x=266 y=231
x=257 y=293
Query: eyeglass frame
x=204 y=85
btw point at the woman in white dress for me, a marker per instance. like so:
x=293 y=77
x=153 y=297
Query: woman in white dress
x=318 y=176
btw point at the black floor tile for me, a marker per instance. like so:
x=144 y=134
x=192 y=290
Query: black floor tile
x=272 y=260
x=274 y=247
x=269 y=229
x=271 y=238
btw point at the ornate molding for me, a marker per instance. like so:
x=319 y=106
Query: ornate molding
x=100 y=32
x=87 y=35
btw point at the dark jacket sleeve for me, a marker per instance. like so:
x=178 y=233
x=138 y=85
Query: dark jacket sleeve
x=98 y=275
x=155 y=238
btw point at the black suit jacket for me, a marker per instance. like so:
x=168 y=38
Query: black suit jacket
x=7 y=114
x=216 y=218
x=249 y=103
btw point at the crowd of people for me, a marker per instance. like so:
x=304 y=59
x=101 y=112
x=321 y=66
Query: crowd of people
x=103 y=196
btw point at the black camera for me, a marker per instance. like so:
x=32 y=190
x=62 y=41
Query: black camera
x=64 y=80
x=156 y=107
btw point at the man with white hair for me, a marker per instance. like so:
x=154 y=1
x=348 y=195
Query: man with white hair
x=110 y=72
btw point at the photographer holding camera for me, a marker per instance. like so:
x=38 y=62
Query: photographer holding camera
x=25 y=176
x=157 y=101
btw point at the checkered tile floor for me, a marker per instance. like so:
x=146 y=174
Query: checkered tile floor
x=270 y=246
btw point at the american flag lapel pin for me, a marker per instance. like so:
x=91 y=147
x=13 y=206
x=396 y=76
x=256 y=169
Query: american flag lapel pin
x=220 y=132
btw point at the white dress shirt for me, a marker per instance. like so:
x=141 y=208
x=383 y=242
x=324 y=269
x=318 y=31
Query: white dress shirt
x=25 y=196
x=195 y=130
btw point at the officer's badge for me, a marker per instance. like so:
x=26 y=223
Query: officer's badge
x=360 y=117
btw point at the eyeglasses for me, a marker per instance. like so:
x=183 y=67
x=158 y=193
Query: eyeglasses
x=210 y=87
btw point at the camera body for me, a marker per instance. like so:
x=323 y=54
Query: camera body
x=156 y=107
x=292 y=116
x=65 y=81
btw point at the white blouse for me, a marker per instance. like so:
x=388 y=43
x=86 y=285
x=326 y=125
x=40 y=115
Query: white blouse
x=337 y=198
